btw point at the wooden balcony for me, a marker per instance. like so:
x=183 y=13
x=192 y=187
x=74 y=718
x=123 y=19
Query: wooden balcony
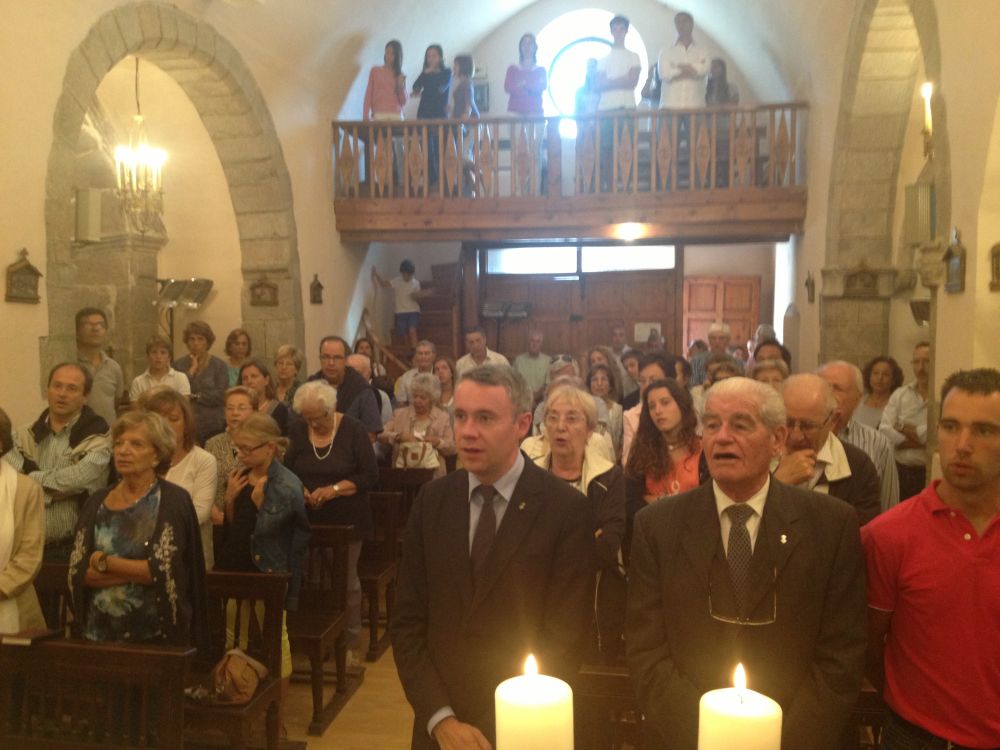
x=708 y=173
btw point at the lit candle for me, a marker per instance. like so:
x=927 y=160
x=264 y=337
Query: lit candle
x=737 y=717
x=534 y=712
x=926 y=91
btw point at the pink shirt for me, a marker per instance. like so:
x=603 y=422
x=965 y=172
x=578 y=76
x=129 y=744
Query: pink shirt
x=382 y=97
x=525 y=88
x=941 y=581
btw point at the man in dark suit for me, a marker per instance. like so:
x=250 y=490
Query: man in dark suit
x=497 y=564
x=816 y=459
x=746 y=569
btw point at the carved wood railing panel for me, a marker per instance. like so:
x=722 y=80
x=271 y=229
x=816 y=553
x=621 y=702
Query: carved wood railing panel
x=635 y=152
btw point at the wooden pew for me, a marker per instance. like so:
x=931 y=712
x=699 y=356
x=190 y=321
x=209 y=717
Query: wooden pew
x=320 y=624
x=406 y=481
x=70 y=694
x=258 y=601
x=378 y=566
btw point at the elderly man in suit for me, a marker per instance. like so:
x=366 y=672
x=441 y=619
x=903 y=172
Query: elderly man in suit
x=497 y=564
x=746 y=570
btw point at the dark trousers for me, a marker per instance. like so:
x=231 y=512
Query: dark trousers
x=899 y=734
x=912 y=480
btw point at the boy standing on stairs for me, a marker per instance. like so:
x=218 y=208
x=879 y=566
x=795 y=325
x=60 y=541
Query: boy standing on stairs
x=407 y=293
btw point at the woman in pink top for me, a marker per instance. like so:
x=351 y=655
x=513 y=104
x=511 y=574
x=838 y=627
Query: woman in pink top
x=386 y=92
x=526 y=81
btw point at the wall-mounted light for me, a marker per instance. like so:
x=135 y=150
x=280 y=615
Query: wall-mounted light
x=630 y=231
x=927 y=91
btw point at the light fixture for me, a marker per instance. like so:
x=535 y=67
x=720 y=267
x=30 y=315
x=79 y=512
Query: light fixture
x=927 y=91
x=139 y=171
x=630 y=231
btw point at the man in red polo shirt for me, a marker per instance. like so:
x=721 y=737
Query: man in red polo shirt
x=934 y=585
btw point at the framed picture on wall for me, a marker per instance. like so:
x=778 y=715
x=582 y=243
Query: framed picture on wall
x=481 y=92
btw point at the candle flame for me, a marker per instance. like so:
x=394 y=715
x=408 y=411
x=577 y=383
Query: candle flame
x=530 y=665
x=927 y=90
x=740 y=678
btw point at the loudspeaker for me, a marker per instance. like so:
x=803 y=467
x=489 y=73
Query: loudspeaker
x=88 y=215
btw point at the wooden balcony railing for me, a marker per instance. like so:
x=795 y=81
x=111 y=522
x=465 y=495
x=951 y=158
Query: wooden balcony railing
x=441 y=167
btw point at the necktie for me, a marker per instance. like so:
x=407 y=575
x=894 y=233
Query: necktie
x=740 y=551
x=486 y=531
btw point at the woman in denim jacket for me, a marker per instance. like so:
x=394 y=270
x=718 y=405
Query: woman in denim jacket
x=266 y=527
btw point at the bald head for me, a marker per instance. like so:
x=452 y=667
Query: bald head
x=360 y=364
x=847 y=384
x=810 y=406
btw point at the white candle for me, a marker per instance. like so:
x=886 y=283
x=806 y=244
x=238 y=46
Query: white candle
x=927 y=91
x=534 y=712
x=737 y=717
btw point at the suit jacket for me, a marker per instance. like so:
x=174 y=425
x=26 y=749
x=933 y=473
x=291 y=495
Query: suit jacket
x=453 y=645
x=863 y=488
x=806 y=578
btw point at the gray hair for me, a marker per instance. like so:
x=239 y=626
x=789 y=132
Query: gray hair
x=856 y=376
x=813 y=383
x=521 y=397
x=770 y=405
x=428 y=384
x=769 y=364
x=574 y=397
x=426 y=343
x=161 y=434
x=561 y=362
x=315 y=392
x=290 y=352
x=361 y=364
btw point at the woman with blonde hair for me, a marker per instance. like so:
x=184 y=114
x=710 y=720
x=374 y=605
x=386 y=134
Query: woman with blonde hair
x=287 y=365
x=266 y=527
x=571 y=450
x=240 y=403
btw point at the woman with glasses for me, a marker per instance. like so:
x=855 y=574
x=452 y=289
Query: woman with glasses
x=421 y=421
x=602 y=383
x=240 y=402
x=255 y=376
x=666 y=456
x=266 y=529
x=191 y=467
x=287 y=364
x=332 y=455
x=571 y=451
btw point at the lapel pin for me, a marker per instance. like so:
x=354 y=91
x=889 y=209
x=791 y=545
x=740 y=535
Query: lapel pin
x=784 y=539
x=521 y=506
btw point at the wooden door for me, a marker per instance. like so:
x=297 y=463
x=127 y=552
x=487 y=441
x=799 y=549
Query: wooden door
x=732 y=299
x=577 y=312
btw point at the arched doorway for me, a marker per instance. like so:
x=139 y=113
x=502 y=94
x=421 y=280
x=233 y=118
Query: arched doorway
x=891 y=43
x=223 y=91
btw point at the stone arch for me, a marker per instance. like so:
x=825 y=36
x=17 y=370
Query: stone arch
x=888 y=41
x=225 y=94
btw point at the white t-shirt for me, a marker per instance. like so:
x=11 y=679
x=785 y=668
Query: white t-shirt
x=617 y=63
x=403 y=291
x=173 y=379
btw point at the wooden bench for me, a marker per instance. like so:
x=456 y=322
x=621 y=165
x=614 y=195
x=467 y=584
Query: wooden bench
x=406 y=481
x=52 y=588
x=257 y=601
x=71 y=694
x=320 y=624
x=378 y=566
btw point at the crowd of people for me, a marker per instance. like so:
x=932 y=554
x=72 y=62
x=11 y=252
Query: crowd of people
x=683 y=76
x=624 y=505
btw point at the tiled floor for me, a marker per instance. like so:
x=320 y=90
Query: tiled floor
x=377 y=717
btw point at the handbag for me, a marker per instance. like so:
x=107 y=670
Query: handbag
x=416 y=455
x=236 y=677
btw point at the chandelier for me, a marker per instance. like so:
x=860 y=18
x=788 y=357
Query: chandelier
x=139 y=171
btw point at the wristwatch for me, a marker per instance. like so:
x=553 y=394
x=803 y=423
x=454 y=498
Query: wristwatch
x=336 y=489
x=102 y=563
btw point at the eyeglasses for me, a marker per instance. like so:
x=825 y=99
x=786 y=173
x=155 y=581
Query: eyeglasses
x=331 y=357
x=570 y=420
x=765 y=619
x=238 y=408
x=806 y=426
x=244 y=450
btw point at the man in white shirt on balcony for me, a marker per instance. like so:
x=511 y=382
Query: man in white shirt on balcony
x=683 y=68
x=617 y=76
